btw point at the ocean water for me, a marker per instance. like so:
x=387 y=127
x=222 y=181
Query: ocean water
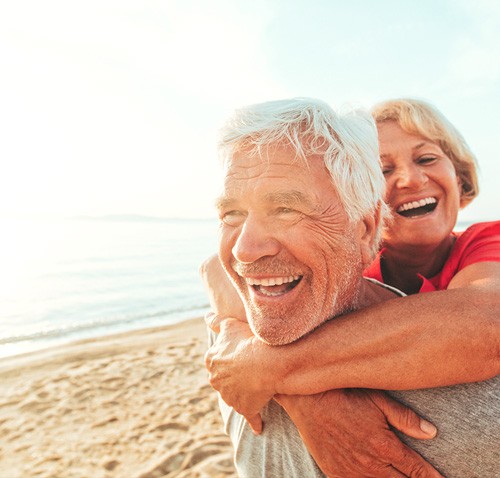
x=62 y=280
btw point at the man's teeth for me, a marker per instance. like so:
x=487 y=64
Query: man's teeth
x=272 y=281
x=416 y=204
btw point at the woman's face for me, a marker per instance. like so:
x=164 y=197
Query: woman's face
x=422 y=188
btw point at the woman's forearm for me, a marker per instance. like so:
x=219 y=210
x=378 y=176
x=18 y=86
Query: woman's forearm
x=427 y=340
x=436 y=339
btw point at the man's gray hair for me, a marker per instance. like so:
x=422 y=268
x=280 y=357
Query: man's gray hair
x=347 y=141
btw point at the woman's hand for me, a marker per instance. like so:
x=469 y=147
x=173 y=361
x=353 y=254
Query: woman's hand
x=238 y=370
x=347 y=432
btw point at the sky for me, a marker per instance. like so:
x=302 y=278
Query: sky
x=113 y=106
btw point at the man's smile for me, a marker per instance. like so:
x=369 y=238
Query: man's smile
x=273 y=286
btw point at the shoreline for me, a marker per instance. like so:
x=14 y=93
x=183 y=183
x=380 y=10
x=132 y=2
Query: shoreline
x=40 y=342
x=132 y=404
x=99 y=343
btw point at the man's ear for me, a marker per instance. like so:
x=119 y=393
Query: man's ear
x=370 y=230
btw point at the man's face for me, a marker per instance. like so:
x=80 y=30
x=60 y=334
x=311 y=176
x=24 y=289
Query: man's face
x=287 y=244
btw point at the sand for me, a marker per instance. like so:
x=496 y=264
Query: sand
x=129 y=405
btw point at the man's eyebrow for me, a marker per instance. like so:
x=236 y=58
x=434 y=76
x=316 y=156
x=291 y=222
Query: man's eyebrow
x=223 y=202
x=288 y=198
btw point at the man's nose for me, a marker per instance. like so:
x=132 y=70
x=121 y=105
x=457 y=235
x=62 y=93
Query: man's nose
x=411 y=177
x=255 y=240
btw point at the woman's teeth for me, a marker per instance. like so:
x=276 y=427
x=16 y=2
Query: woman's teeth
x=416 y=204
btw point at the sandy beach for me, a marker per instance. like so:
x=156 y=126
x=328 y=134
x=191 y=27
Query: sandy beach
x=131 y=405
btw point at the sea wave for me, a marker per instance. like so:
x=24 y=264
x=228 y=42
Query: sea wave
x=109 y=323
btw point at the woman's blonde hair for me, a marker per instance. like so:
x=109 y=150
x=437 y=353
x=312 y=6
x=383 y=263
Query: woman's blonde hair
x=421 y=118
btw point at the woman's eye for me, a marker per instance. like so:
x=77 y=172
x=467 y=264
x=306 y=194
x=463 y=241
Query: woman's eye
x=386 y=170
x=427 y=160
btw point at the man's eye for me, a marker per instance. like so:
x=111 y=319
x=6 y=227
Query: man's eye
x=232 y=218
x=288 y=214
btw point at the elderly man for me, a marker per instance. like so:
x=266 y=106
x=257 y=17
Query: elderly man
x=300 y=219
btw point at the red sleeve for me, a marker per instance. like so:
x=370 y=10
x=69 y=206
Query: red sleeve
x=479 y=243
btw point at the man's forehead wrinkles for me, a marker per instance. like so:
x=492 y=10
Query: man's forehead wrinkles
x=247 y=174
x=252 y=161
x=290 y=198
x=243 y=172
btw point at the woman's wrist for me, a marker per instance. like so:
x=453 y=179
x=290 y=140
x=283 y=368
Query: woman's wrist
x=270 y=365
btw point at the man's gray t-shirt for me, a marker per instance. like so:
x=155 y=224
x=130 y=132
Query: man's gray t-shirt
x=467 y=445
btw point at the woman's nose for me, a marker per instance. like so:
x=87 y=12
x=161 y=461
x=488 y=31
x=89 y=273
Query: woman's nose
x=410 y=177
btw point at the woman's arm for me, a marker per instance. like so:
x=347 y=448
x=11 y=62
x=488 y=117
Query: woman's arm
x=427 y=340
x=435 y=339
